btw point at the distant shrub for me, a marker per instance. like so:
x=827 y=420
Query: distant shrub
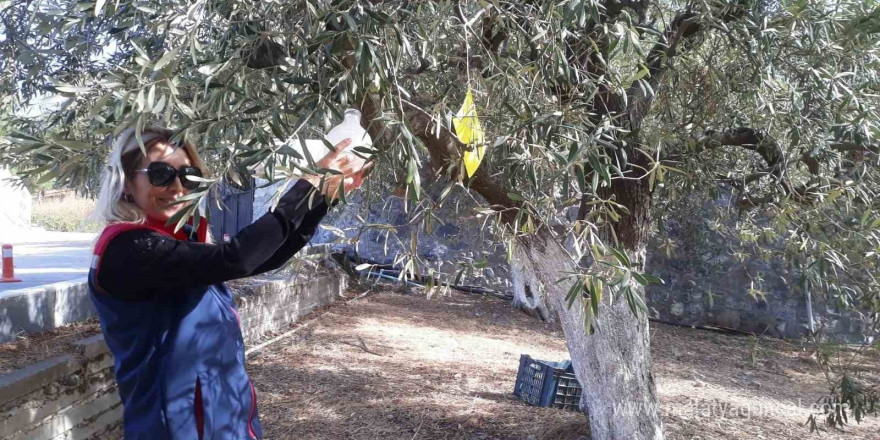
x=68 y=213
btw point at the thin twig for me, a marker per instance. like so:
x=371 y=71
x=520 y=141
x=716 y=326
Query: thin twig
x=362 y=346
x=418 y=428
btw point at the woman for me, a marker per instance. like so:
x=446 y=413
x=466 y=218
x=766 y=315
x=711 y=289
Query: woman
x=167 y=317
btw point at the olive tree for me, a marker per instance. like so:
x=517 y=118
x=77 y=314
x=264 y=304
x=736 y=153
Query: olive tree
x=611 y=108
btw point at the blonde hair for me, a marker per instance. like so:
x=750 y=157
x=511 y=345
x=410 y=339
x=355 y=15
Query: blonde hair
x=125 y=157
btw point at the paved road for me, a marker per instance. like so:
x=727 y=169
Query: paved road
x=43 y=257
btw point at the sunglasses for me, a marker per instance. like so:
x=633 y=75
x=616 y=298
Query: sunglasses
x=163 y=174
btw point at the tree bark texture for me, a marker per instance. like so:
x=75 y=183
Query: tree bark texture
x=613 y=365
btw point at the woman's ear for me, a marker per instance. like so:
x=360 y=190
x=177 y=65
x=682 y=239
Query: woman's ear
x=128 y=192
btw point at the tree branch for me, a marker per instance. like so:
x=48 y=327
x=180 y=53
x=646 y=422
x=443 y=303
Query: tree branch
x=445 y=150
x=799 y=193
x=682 y=32
x=811 y=162
x=768 y=148
x=492 y=39
x=750 y=139
x=640 y=7
x=852 y=146
x=680 y=36
x=445 y=154
x=843 y=147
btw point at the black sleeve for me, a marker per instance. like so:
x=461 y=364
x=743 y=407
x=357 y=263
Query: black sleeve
x=297 y=240
x=138 y=263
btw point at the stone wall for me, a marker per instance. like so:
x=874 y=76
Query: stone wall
x=49 y=306
x=45 y=307
x=69 y=397
x=269 y=304
x=74 y=397
x=705 y=282
x=710 y=281
x=456 y=240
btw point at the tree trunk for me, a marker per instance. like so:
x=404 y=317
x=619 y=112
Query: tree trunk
x=613 y=365
x=527 y=294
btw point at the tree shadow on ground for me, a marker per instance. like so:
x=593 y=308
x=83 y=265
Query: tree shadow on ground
x=349 y=404
x=402 y=367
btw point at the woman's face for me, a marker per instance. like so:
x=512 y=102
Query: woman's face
x=156 y=201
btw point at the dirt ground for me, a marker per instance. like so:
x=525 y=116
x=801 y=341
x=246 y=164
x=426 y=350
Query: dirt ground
x=392 y=366
x=31 y=348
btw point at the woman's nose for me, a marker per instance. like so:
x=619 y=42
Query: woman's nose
x=176 y=185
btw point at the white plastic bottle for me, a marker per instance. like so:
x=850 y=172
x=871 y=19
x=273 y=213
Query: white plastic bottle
x=350 y=128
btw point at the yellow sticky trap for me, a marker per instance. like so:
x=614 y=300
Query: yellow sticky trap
x=470 y=132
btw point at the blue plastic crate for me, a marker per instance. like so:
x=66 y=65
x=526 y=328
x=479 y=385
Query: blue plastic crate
x=547 y=384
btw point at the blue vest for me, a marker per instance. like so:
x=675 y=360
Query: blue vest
x=179 y=360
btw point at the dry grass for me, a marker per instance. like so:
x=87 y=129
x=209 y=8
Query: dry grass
x=717 y=386
x=402 y=367
x=391 y=366
x=28 y=349
x=69 y=213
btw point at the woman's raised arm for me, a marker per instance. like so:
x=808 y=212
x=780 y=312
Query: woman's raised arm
x=138 y=262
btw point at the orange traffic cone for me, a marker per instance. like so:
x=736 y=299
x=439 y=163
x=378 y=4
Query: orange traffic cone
x=8 y=268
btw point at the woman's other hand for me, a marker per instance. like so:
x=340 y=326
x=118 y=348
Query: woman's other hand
x=353 y=170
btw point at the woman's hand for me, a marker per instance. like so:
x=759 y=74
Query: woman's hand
x=352 y=169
